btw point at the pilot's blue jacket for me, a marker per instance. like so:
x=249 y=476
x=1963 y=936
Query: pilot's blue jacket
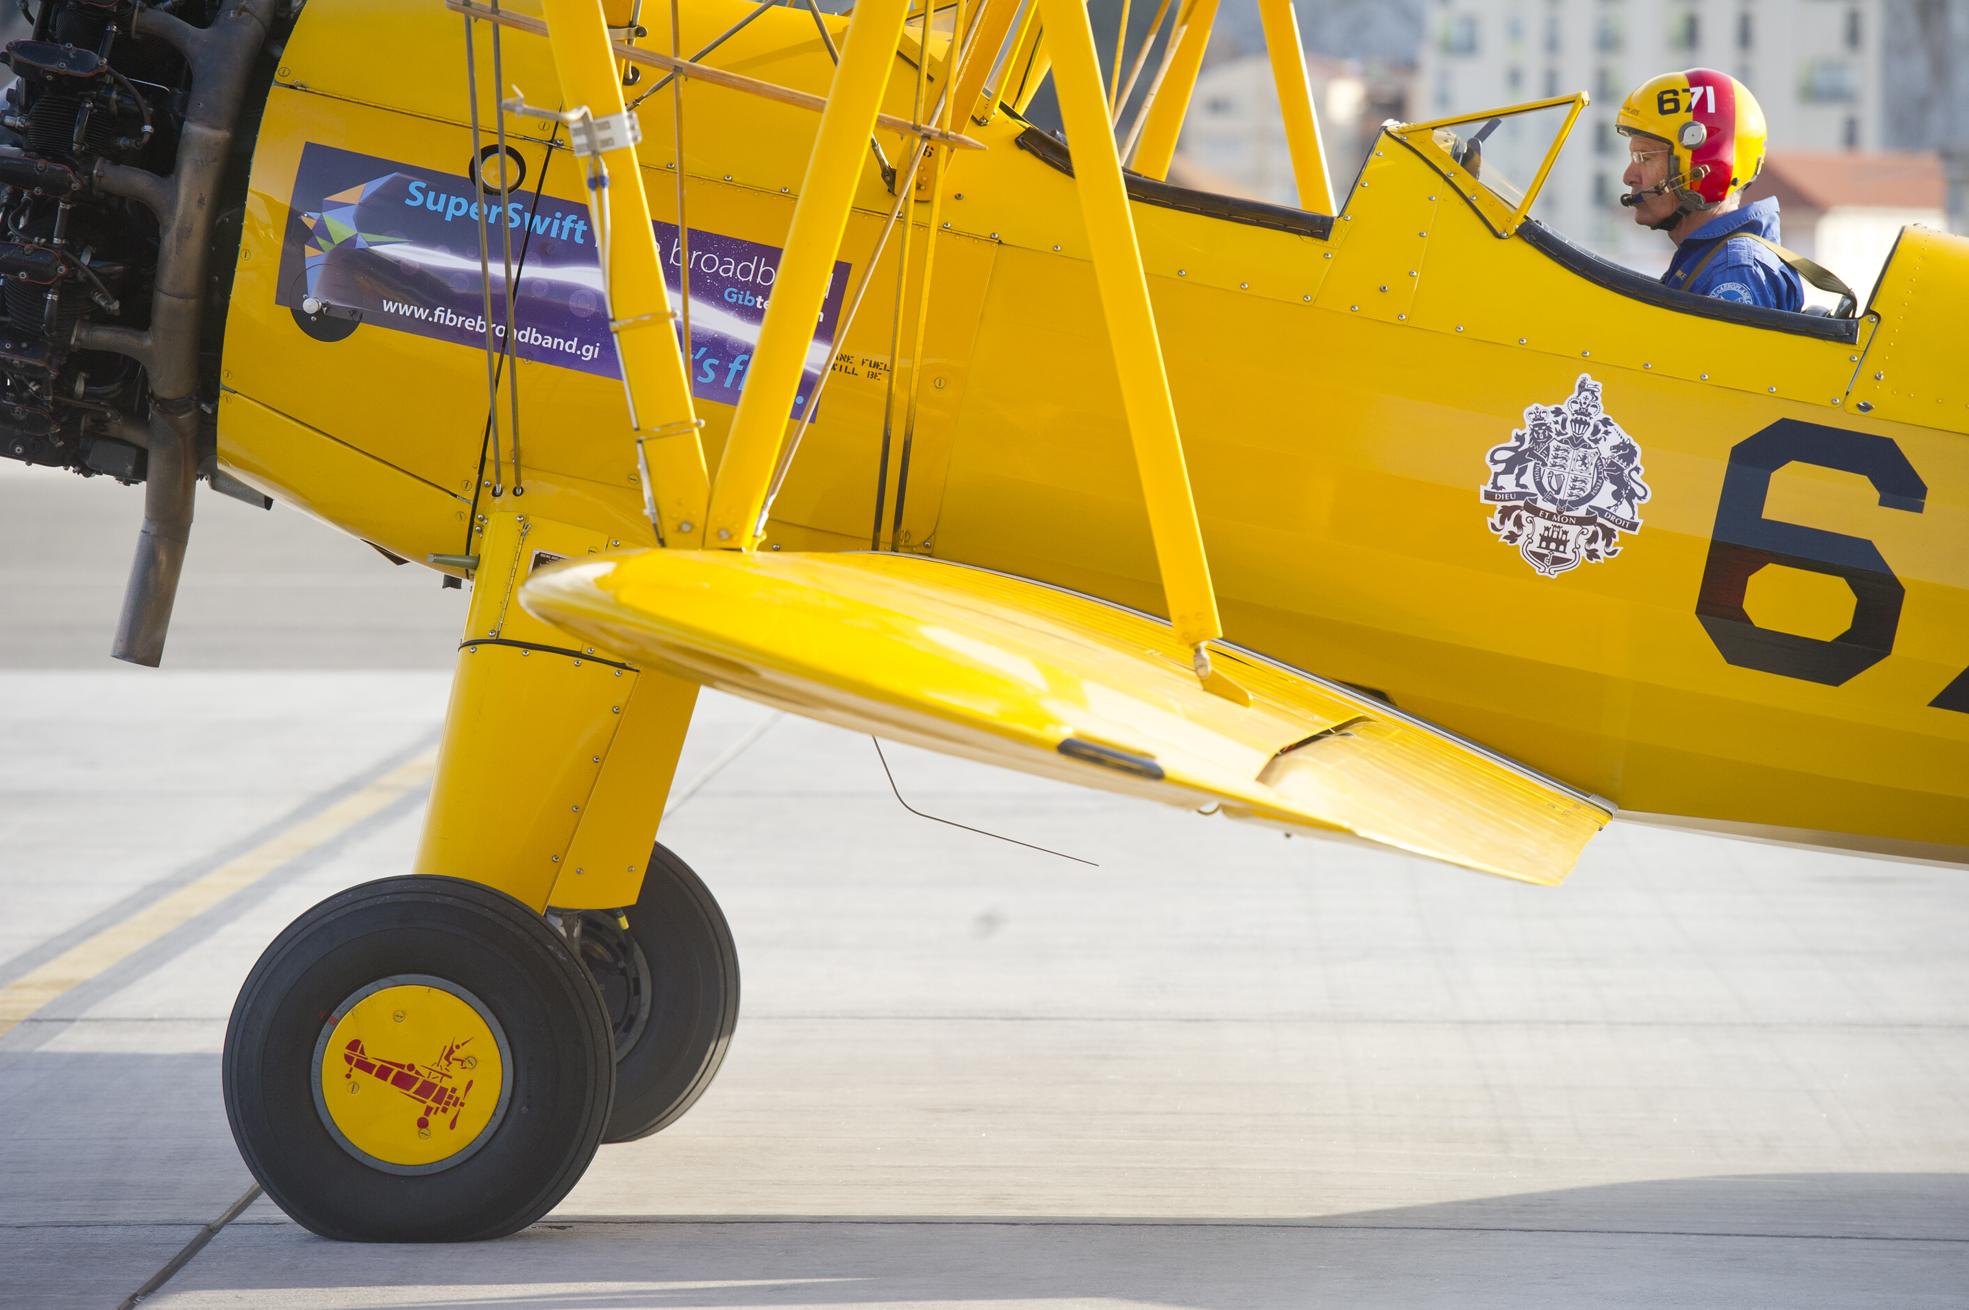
x=1743 y=271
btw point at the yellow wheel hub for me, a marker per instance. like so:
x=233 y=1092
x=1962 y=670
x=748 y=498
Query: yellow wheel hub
x=410 y=1074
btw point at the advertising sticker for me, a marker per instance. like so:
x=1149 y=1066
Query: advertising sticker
x=397 y=246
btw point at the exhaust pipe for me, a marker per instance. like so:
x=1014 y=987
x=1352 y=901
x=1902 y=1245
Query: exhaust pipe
x=152 y=590
x=221 y=59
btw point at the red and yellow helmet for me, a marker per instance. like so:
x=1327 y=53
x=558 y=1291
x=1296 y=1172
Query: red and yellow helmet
x=1714 y=129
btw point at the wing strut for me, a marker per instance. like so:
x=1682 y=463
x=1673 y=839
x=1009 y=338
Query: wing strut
x=819 y=219
x=1295 y=98
x=653 y=374
x=1137 y=348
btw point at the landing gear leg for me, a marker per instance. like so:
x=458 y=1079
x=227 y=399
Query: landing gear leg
x=427 y=1058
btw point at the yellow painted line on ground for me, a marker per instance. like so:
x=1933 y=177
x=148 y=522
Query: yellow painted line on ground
x=83 y=961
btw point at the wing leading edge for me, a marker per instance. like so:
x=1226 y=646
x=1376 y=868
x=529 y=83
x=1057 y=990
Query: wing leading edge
x=1051 y=682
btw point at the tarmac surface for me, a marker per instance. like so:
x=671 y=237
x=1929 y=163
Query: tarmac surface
x=1222 y=1069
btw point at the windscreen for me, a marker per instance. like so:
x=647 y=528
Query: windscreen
x=1504 y=151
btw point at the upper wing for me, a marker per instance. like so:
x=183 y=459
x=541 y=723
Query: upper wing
x=1052 y=682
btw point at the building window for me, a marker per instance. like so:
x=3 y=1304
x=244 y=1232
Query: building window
x=1603 y=193
x=1607 y=37
x=1828 y=81
x=1684 y=31
x=1443 y=96
x=1852 y=29
x=1551 y=83
x=1459 y=35
x=1744 y=30
x=1609 y=87
x=1514 y=30
x=1552 y=41
x=1605 y=140
x=1852 y=132
x=1515 y=81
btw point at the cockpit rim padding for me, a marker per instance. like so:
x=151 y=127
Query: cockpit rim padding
x=1252 y=213
x=1639 y=286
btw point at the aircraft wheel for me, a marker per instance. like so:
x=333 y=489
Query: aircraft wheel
x=418 y=1060
x=670 y=983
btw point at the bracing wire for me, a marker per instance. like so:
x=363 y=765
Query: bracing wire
x=905 y=186
x=643 y=477
x=903 y=194
x=1120 y=48
x=827 y=39
x=847 y=321
x=683 y=227
x=934 y=11
x=1141 y=59
x=1043 y=850
x=506 y=239
x=603 y=212
x=727 y=35
x=717 y=766
x=953 y=62
x=1178 y=28
x=485 y=252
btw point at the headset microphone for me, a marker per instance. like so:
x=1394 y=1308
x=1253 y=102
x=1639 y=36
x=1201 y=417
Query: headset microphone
x=1636 y=199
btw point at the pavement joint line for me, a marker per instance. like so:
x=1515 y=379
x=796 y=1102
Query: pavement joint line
x=1013 y=1221
x=717 y=766
x=1284 y=1225
x=79 y=963
x=1366 y=1021
x=24 y=1224
x=191 y=1248
x=143 y=897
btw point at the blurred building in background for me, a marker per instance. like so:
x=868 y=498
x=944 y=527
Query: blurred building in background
x=1234 y=137
x=1846 y=209
x=1927 y=67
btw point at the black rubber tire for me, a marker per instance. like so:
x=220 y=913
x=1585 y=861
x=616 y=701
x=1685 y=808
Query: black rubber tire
x=693 y=990
x=561 y=1073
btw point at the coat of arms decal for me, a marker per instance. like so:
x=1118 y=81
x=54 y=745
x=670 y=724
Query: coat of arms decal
x=1567 y=484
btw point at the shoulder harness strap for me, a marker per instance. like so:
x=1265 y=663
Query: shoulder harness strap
x=1817 y=274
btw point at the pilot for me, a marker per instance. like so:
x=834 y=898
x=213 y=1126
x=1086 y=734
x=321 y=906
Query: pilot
x=1695 y=141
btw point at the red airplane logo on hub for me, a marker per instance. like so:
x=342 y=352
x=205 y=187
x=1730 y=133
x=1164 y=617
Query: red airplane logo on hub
x=428 y=1084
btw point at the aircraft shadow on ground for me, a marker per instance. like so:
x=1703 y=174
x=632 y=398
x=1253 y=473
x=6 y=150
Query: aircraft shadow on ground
x=1781 y=1240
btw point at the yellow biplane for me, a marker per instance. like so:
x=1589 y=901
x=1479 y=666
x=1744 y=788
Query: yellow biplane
x=770 y=350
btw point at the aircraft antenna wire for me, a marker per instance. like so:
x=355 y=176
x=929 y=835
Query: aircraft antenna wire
x=1044 y=850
